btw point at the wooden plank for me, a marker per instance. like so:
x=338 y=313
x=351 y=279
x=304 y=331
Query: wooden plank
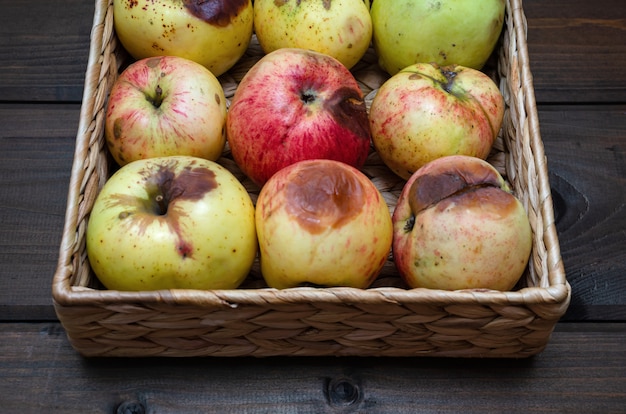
x=586 y=150
x=583 y=369
x=577 y=50
x=44 y=49
x=36 y=152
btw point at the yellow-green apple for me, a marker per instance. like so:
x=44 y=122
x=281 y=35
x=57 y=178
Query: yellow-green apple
x=296 y=104
x=322 y=223
x=172 y=222
x=458 y=226
x=426 y=111
x=165 y=105
x=461 y=32
x=214 y=33
x=340 y=28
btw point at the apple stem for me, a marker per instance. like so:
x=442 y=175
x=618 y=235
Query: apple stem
x=158 y=98
x=450 y=75
x=161 y=204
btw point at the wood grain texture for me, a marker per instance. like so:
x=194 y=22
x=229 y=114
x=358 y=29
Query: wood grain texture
x=43 y=49
x=577 y=50
x=586 y=150
x=583 y=369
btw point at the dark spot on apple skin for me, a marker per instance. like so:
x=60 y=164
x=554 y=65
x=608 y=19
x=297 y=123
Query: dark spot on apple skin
x=348 y=109
x=323 y=196
x=429 y=189
x=165 y=188
x=216 y=12
x=279 y=3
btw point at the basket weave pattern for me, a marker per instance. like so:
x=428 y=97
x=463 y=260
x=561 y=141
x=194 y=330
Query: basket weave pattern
x=385 y=320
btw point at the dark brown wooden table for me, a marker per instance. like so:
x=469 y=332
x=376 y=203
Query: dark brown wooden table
x=578 y=59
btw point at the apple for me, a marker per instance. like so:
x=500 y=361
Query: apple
x=340 y=28
x=214 y=33
x=461 y=32
x=426 y=111
x=296 y=104
x=172 y=222
x=322 y=223
x=458 y=226
x=162 y=106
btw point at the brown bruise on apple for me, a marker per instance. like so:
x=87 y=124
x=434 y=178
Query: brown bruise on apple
x=166 y=188
x=323 y=198
x=469 y=184
x=348 y=109
x=216 y=12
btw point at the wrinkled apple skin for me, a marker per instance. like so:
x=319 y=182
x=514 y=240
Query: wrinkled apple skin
x=426 y=112
x=324 y=223
x=339 y=28
x=214 y=33
x=296 y=104
x=164 y=106
x=201 y=235
x=457 y=226
x=461 y=32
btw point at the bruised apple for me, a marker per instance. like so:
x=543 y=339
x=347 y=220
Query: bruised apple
x=458 y=226
x=172 y=222
x=165 y=105
x=427 y=111
x=214 y=33
x=340 y=28
x=322 y=223
x=296 y=104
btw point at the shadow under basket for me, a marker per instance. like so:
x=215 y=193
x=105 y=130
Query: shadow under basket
x=387 y=319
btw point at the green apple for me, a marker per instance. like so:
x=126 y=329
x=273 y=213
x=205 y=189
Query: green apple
x=165 y=105
x=172 y=222
x=322 y=222
x=425 y=112
x=461 y=32
x=458 y=226
x=339 y=28
x=214 y=33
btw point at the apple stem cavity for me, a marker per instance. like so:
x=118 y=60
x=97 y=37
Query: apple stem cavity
x=308 y=96
x=450 y=75
x=161 y=204
x=157 y=99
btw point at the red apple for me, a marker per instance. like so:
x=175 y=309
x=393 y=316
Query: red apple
x=458 y=226
x=426 y=111
x=322 y=222
x=165 y=106
x=296 y=104
x=172 y=222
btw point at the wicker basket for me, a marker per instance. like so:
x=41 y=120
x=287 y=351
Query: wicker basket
x=385 y=320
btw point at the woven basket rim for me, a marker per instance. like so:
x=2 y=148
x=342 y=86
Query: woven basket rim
x=557 y=291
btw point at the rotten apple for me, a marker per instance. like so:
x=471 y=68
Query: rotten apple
x=163 y=106
x=214 y=33
x=296 y=104
x=172 y=222
x=458 y=226
x=322 y=223
x=427 y=111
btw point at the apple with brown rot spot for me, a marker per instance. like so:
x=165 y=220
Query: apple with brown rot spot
x=213 y=33
x=458 y=226
x=427 y=111
x=172 y=222
x=322 y=223
x=163 y=106
x=296 y=104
